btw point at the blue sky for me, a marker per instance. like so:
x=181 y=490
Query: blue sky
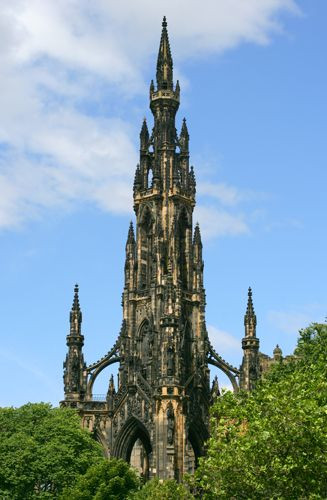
x=74 y=90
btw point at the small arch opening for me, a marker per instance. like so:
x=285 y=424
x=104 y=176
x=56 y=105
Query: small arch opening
x=139 y=459
x=190 y=458
x=149 y=178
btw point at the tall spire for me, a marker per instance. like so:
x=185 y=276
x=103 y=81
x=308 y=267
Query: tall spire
x=250 y=319
x=75 y=316
x=165 y=61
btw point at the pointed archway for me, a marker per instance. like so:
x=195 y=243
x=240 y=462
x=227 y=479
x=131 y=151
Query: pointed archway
x=134 y=436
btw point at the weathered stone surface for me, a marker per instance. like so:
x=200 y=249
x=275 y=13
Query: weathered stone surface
x=158 y=414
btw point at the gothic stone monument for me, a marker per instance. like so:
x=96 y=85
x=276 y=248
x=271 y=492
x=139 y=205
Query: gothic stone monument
x=157 y=416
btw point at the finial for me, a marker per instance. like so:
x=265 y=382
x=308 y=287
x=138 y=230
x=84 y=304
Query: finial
x=75 y=306
x=250 y=303
x=164 y=22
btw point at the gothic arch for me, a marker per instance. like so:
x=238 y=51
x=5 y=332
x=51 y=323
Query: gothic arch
x=221 y=367
x=99 y=437
x=197 y=442
x=130 y=432
x=97 y=371
x=145 y=323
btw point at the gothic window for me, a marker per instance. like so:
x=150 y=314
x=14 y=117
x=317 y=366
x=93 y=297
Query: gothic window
x=146 y=249
x=182 y=242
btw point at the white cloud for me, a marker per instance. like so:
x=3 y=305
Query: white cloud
x=61 y=59
x=215 y=222
x=226 y=195
x=291 y=322
x=223 y=342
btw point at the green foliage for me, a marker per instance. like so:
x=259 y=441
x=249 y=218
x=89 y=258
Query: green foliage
x=111 y=479
x=165 y=490
x=42 y=449
x=273 y=443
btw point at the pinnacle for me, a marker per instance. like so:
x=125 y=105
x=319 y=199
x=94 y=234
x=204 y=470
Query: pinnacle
x=250 y=317
x=111 y=389
x=250 y=309
x=75 y=316
x=144 y=124
x=144 y=134
x=184 y=130
x=164 y=62
x=197 y=234
x=130 y=237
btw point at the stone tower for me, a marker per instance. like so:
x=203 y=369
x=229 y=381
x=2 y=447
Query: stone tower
x=157 y=415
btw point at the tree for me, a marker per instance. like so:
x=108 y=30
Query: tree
x=111 y=479
x=272 y=443
x=42 y=449
x=165 y=490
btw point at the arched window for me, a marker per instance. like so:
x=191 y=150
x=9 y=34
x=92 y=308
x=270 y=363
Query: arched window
x=146 y=238
x=182 y=243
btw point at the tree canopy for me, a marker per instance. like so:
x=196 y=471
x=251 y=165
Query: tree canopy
x=272 y=443
x=42 y=449
x=164 y=490
x=111 y=479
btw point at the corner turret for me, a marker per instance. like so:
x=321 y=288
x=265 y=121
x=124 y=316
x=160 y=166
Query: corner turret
x=250 y=344
x=74 y=365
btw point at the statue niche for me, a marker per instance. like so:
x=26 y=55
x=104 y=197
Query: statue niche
x=145 y=345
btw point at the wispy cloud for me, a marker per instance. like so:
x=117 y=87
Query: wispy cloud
x=225 y=194
x=291 y=321
x=223 y=342
x=68 y=73
x=215 y=222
